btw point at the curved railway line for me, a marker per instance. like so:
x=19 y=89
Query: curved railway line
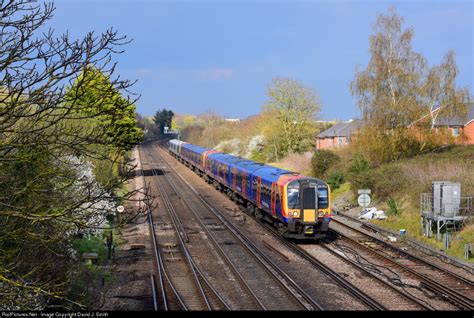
x=376 y=286
x=443 y=284
x=264 y=289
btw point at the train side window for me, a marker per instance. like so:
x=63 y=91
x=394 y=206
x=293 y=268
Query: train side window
x=265 y=192
x=323 y=200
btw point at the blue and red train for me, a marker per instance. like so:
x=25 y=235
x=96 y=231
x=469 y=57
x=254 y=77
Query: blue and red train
x=299 y=206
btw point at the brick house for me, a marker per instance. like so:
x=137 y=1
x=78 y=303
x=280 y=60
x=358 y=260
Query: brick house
x=456 y=129
x=338 y=135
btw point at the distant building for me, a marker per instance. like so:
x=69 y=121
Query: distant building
x=457 y=128
x=232 y=119
x=338 y=135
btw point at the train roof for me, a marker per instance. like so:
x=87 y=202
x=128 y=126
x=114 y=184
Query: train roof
x=197 y=149
x=177 y=142
x=250 y=166
x=265 y=171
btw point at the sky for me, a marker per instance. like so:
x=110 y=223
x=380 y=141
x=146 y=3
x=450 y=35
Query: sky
x=202 y=55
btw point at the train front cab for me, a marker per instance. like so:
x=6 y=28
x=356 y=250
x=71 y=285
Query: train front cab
x=308 y=208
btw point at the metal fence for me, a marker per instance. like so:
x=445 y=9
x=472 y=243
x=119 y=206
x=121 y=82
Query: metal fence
x=465 y=209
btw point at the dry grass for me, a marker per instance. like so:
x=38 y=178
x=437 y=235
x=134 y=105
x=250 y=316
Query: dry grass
x=456 y=165
x=300 y=163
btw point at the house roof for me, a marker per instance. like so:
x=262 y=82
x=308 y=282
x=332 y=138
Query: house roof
x=457 y=120
x=452 y=121
x=341 y=129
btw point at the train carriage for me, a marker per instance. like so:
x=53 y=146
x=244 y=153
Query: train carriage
x=298 y=205
x=175 y=147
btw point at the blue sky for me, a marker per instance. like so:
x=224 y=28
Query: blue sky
x=194 y=56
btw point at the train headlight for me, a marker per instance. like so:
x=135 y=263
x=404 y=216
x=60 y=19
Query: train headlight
x=295 y=213
x=321 y=214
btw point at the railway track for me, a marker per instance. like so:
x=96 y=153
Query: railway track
x=181 y=285
x=381 y=290
x=441 y=262
x=261 y=275
x=370 y=302
x=441 y=283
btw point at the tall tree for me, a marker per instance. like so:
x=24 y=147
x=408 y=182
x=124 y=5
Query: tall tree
x=389 y=88
x=94 y=95
x=292 y=109
x=441 y=96
x=397 y=87
x=163 y=118
x=45 y=196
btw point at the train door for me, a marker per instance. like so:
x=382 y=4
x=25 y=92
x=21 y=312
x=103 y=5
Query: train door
x=308 y=199
x=234 y=178
x=259 y=185
x=273 y=198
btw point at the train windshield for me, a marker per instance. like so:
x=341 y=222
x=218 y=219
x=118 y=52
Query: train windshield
x=294 y=195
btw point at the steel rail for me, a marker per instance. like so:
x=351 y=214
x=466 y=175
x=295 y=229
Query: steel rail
x=195 y=269
x=177 y=225
x=230 y=263
x=380 y=280
x=352 y=289
x=404 y=253
x=153 y=291
x=159 y=261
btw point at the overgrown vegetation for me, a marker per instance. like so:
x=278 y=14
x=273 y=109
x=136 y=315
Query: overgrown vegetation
x=65 y=128
x=321 y=161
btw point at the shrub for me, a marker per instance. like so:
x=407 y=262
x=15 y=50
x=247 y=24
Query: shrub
x=393 y=207
x=359 y=174
x=335 y=179
x=383 y=146
x=322 y=160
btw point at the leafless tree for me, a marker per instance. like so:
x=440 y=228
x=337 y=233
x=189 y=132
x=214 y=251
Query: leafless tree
x=45 y=140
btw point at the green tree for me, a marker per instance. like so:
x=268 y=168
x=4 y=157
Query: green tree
x=291 y=109
x=93 y=95
x=163 y=118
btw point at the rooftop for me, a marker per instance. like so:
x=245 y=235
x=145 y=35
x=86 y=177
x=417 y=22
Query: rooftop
x=344 y=129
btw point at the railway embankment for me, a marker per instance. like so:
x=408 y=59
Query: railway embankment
x=129 y=288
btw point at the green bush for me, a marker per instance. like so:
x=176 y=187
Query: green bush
x=359 y=174
x=335 y=179
x=321 y=161
x=91 y=244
